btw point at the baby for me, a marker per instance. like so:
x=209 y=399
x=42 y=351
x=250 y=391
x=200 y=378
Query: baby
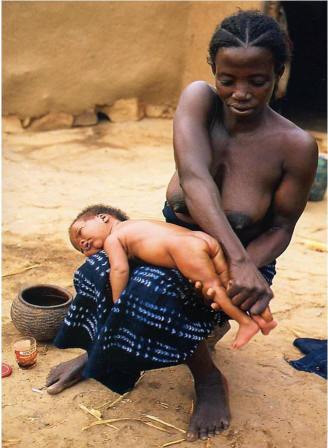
x=195 y=254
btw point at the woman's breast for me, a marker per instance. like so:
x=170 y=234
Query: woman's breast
x=245 y=203
x=247 y=181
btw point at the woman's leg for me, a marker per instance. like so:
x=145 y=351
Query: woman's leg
x=211 y=412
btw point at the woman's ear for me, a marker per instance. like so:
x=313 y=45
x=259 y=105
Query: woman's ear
x=280 y=72
x=279 y=87
x=104 y=217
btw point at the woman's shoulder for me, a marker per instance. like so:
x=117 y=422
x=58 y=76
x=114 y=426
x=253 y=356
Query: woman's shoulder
x=198 y=99
x=294 y=137
x=200 y=88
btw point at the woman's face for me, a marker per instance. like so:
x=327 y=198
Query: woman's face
x=244 y=79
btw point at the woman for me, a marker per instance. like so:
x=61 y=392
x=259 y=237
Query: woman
x=243 y=176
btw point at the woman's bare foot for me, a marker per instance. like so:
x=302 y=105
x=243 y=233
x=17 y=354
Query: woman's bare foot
x=65 y=374
x=245 y=333
x=265 y=326
x=212 y=413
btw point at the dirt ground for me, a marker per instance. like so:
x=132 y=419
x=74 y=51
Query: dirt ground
x=47 y=178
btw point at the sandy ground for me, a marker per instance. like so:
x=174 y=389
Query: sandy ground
x=47 y=178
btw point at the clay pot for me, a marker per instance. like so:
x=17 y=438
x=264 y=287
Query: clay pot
x=39 y=310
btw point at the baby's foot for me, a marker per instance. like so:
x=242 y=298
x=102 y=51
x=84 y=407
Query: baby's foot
x=245 y=333
x=265 y=326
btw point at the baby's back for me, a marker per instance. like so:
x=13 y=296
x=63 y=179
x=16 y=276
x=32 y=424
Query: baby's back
x=153 y=241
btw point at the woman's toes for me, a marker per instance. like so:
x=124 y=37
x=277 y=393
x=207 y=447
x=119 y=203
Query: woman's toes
x=203 y=434
x=192 y=435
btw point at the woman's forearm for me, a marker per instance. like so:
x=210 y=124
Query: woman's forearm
x=204 y=205
x=270 y=245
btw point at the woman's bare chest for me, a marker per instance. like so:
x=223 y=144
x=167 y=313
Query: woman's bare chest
x=246 y=163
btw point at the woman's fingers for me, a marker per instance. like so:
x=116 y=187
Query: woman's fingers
x=234 y=289
x=248 y=303
x=245 y=301
x=239 y=298
x=260 y=305
x=251 y=300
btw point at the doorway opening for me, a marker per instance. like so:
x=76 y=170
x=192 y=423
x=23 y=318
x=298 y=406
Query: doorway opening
x=305 y=102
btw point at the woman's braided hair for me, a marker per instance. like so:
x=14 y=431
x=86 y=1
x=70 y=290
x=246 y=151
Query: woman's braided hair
x=251 y=29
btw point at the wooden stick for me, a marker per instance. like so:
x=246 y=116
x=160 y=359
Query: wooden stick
x=85 y=409
x=111 y=420
x=151 y=417
x=21 y=271
x=155 y=426
x=174 y=442
x=110 y=404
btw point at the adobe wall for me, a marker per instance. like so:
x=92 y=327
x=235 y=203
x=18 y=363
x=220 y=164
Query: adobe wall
x=71 y=56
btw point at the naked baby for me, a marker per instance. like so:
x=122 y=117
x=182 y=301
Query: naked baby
x=195 y=254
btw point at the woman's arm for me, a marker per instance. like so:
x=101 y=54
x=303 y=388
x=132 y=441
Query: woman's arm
x=289 y=202
x=193 y=155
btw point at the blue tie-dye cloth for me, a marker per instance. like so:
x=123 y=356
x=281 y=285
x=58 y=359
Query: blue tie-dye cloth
x=158 y=321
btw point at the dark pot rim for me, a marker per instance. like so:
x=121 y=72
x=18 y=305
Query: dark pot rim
x=46 y=285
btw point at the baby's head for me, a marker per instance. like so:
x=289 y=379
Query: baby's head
x=92 y=226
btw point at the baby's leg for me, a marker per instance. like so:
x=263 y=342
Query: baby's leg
x=247 y=326
x=194 y=262
x=216 y=254
x=265 y=321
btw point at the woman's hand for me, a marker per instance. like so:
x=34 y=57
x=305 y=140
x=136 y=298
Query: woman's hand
x=247 y=288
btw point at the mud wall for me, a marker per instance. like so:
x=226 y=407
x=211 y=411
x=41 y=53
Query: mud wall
x=71 y=56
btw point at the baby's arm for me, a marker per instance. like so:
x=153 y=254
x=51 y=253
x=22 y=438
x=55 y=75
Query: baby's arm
x=119 y=265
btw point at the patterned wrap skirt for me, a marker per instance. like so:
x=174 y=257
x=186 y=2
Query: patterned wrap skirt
x=158 y=321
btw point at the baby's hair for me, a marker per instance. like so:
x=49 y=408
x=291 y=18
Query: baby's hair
x=97 y=209
x=251 y=29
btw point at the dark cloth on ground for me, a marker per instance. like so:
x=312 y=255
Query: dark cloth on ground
x=307 y=345
x=315 y=359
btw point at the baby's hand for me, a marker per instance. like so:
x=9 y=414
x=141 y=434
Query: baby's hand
x=208 y=294
x=211 y=294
